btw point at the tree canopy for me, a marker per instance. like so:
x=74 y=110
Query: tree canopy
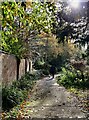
x=20 y=25
x=23 y=22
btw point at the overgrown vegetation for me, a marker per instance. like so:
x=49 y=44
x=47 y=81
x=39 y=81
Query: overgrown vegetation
x=18 y=91
x=72 y=78
x=57 y=58
x=42 y=32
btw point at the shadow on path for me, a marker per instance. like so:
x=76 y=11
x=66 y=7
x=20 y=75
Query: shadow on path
x=49 y=100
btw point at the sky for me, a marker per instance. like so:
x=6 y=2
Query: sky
x=78 y=0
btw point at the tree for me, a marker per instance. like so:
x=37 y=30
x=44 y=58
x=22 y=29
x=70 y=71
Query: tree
x=69 y=24
x=62 y=28
x=12 y=41
x=21 y=26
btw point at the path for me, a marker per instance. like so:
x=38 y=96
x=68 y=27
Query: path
x=48 y=99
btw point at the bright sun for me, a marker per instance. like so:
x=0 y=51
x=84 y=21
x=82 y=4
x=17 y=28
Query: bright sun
x=74 y=3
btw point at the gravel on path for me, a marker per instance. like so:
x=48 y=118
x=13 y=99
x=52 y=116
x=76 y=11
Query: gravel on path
x=50 y=100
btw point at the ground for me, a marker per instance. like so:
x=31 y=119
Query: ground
x=50 y=100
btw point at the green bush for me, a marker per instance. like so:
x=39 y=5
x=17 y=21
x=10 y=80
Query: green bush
x=59 y=61
x=42 y=66
x=12 y=96
x=88 y=60
x=71 y=77
x=18 y=91
x=23 y=84
x=67 y=78
x=45 y=72
x=39 y=64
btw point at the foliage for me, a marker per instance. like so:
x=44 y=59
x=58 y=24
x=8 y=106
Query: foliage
x=87 y=54
x=13 y=22
x=80 y=31
x=46 y=46
x=88 y=60
x=71 y=77
x=20 y=25
x=45 y=71
x=42 y=15
x=65 y=52
x=71 y=24
x=23 y=22
x=15 y=113
x=18 y=91
x=12 y=96
x=42 y=66
x=39 y=64
x=57 y=55
x=62 y=27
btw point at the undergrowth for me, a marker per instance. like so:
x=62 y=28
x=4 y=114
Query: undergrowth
x=18 y=91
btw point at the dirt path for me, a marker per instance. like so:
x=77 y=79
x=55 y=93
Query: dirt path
x=48 y=99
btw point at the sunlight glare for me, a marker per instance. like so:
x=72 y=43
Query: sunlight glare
x=74 y=3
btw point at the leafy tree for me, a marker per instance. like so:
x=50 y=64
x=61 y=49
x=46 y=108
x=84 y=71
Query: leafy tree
x=62 y=27
x=13 y=24
x=21 y=26
x=71 y=25
x=80 y=33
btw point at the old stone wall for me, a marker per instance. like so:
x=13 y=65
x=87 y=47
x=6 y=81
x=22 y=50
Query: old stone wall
x=22 y=68
x=8 y=68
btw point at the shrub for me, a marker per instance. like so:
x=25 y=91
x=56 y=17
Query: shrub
x=23 y=84
x=67 y=78
x=11 y=96
x=45 y=72
x=88 y=60
x=71 y=77
x=39 y=64
x=18 y=91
